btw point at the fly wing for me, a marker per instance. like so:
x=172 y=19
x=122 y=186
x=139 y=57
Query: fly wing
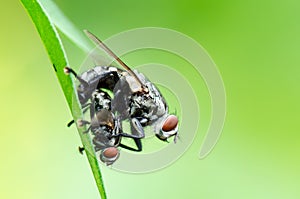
x=112 y=54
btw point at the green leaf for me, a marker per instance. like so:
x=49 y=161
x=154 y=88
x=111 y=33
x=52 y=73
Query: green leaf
x=50 y=37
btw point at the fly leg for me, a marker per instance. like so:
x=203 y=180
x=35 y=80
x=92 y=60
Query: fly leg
x=70 y=123
x=137 y=134
x=85 y=107
x=136 y=128
x=81 y=149
x=138 y=144
x=81 y=123
x=69 y=70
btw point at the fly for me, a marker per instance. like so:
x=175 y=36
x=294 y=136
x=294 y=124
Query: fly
x=135 y=99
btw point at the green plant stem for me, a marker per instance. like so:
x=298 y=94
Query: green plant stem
x=54 y=47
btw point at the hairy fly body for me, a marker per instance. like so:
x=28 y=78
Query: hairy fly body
x=104 y=126
x=135 y=99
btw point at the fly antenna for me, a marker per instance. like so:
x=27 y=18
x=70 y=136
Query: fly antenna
x=97 y=41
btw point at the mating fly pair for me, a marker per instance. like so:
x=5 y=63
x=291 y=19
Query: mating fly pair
x=135 y=99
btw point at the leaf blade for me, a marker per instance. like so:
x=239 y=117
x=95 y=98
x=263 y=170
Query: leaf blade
x=57 y=55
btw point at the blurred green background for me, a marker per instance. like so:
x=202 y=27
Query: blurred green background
x=255 y=45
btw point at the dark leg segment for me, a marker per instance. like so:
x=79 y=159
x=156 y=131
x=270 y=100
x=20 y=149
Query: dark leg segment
x=80 y=149
x=70 y=123
x=138 y=144
x=69 y=70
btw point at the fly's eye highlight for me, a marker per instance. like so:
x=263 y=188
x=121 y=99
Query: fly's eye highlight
x=170 y=123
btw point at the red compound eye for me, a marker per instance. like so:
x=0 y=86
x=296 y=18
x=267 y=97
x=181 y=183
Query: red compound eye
x=110 y=152
x=170 y=123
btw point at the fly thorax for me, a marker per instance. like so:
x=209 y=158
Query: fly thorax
x=158 y=105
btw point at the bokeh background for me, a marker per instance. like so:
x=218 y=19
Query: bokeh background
x=255 y=45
